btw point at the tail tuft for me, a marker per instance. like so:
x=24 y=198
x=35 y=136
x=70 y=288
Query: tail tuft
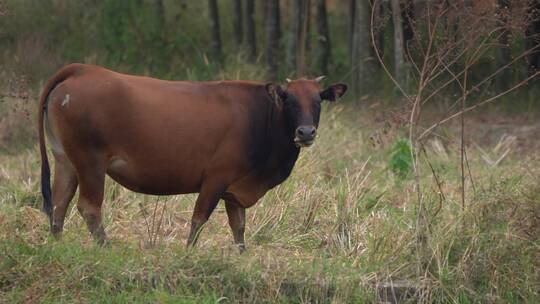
x=46 y=190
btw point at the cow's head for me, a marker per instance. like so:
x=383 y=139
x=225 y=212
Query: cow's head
x=300 y=104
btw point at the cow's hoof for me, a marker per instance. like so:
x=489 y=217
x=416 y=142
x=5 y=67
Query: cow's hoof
x=242 y=248
x=56 y=231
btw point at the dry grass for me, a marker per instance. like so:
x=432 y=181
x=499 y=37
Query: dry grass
x=341 y=227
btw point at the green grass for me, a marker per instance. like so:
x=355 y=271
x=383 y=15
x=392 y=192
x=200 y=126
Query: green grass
x=341 y=227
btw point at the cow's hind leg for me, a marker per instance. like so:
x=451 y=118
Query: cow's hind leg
x=91 y=184
x=206 y=203
x=64 y=187
x=237 y=221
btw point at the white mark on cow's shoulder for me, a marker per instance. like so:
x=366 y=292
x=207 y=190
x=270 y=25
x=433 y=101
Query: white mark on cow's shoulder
x=66 y=100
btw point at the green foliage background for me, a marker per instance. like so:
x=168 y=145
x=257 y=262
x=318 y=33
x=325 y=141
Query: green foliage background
x=168 y=41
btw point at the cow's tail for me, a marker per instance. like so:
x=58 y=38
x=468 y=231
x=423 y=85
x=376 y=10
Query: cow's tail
x=60 y=76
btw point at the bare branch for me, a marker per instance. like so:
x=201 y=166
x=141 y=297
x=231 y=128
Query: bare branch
x=515 y=87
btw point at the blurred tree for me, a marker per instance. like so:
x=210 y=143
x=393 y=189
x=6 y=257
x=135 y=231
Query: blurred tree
x=407 y=15
x=352 y=24
x=306 y=30
x=379 y=19
x=238 y=20
x=323 y=38
x=297 y=37
x=129 y=32
x=272 y=37
x=533 y=36
x=294 y=34
x=407 y=19
x=399 y=54
x=160 y=12
x=303 y=39
x=250 y=30
x=362 y=63
x=503 y=55
x=215 y=29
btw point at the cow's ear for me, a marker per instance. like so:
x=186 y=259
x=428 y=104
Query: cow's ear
x=334 y=92
x=276 y=93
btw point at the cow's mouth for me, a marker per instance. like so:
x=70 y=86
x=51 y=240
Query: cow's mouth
x=303 y=143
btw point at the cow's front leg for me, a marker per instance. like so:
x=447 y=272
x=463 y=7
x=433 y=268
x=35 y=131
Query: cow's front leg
x=237 y=221
x=204 y=206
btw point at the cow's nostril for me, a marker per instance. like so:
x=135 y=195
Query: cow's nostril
x=306 y=132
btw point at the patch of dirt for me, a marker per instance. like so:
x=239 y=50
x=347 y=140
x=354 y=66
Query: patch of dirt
x=484 y=130
x=488 y=133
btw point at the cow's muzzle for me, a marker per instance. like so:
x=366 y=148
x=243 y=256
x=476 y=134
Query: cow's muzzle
x=305 y=136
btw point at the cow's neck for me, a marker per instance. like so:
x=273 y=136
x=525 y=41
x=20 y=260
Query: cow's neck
x=280 y=144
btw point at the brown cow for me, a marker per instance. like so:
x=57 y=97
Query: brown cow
x=230 y=140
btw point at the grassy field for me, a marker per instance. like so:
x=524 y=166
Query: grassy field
x=339 y=230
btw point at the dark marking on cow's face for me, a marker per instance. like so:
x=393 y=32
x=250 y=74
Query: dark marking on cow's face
x=301 y=106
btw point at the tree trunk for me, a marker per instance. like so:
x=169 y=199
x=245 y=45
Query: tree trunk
x=399 y=54
x=296 y=50
x=352 y=26
x=362 y=62
x=307 y=25
x=250 y=30
x=278 y=20
x=303 y=39
x=407 y=15
x=272 y=37
x=214 y=28
x=533 y=37
x=503 y=52
x=161 y=22
x=378 y=25
x=160 y=11
x=294 y=35
x=407 y=19
x=238 y=22
x=323 y=37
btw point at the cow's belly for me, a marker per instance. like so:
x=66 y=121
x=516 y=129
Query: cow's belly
x=170 y=179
